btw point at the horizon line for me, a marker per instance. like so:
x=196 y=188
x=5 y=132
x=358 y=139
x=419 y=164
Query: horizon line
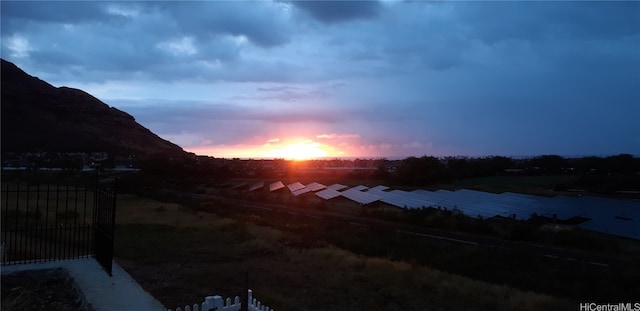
x=395 y=158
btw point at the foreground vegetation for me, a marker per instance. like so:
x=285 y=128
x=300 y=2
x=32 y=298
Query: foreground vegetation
x=181 y=255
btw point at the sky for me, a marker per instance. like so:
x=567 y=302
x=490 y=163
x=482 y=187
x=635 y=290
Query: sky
x=299 y=79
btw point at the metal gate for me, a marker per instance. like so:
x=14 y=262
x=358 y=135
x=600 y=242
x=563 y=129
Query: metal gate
x=54 y=222
x=104 y=218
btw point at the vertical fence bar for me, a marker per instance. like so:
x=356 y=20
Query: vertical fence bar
x=65 y=232
x=104 y=224
x=56 y=252
x=25 y=234
x=80 y=226
x=94 y=219
x=26 y=229
x=114 y=198
x=39 y=233
x=74 y=243
x=89 y=227
x=97 y=221
x=84 y=224
x=84 y=220
x=47 y=247
x=95 y=213
x=5 y=226
x=16 y=247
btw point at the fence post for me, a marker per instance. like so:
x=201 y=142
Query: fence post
x=104 y=223
x=245 y=296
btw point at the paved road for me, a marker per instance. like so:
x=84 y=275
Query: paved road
x=465 y=239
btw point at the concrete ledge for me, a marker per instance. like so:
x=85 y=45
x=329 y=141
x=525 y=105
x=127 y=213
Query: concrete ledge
x=120 y=292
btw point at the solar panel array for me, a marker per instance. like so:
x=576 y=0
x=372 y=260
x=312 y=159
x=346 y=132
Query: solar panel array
x=617 y=217
x=357 y=188
x=337 y=187
x=329 y=193
x=257 y=186
x=312 y=187
x=239 y=184
x=356 y=194
x=295 y=186
x=276 y=186
x=300 y=191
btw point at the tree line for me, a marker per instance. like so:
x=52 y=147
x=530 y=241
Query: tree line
x=618 y=169
x=595 y=174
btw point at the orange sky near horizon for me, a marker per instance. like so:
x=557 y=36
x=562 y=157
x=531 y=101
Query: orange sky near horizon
x=308 y=144
x=289 y=149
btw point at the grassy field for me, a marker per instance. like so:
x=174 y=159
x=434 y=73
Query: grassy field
x=183 y=253
x=180 y=255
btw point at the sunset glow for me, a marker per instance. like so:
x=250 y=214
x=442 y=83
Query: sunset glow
x=303 y=150
x=290 y=149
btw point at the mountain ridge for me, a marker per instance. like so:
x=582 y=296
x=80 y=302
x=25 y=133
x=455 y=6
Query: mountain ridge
x=36 y=116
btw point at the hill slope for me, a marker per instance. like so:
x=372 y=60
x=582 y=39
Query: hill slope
x=37 y=116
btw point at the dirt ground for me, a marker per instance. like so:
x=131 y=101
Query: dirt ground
x=50 y=289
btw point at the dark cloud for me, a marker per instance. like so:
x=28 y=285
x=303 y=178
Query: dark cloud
x=55 y=11
x=339 y=11
x=194 y=112
x=156 y=40
x=261 y=22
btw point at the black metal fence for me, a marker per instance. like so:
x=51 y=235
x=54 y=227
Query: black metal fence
x=54 y=222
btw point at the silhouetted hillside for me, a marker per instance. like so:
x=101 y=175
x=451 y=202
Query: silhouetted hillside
x=37 y=116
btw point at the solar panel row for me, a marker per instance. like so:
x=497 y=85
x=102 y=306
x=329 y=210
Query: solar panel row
x=300 y=191
x=295 y=186
x=610 y=216
x=328 y=193
x=239 y=184
x=314 y=186
x=257 y=186
x=276 y=186
x=337 y=187
x=356 y=194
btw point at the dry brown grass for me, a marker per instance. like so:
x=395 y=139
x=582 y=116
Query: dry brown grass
x=180 y=256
